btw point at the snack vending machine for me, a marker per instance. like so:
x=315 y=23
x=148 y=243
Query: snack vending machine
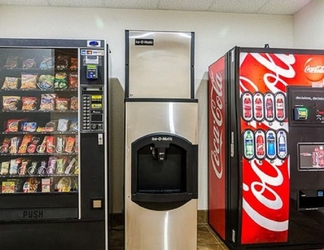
x=53 y=134
x=266 y=141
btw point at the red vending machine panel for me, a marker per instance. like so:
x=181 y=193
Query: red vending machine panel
x=216 y=142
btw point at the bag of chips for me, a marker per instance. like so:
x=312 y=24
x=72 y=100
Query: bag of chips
x=29 y=63
x=10 y=103
x=10 y=83
x=46 y=82
x=28 y=81
x=11 y=62
x=60 y=81
x=28 y=103
x=47 y=102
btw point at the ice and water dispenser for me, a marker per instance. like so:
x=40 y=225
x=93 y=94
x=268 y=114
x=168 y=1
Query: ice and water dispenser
x=163 y=170
x=161 y=148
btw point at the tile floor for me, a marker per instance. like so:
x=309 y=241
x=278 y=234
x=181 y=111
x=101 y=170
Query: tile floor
x=207 y=239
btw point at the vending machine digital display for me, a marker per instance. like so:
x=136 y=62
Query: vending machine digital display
x=53 y=133
x=265 y=148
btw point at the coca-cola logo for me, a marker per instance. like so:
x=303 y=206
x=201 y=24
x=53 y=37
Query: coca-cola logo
x=216 y=104
x=314 y=69
x=264 y=192
x=274 y=79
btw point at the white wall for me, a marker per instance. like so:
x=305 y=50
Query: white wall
x=215 y=34
x=308 y=26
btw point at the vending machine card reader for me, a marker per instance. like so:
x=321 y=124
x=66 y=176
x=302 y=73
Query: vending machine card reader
x=92 y=71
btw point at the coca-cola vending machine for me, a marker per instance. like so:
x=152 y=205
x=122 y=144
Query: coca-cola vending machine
x=266 y=148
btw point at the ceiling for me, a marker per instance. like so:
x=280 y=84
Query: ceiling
x=272 y=7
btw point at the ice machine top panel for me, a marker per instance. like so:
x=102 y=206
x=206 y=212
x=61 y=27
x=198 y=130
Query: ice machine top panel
x=159 y=64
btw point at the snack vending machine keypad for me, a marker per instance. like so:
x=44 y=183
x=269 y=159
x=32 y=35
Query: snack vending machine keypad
x=92 y=111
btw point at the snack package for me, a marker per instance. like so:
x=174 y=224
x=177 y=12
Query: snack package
x=69 y=144
x=4 y=167
x=42 y=147
x=76 y=144
x=52 y=161
x=62 y=104
x=10 y=103
x=29 y=103
x=60 y=80
x=74 y=103
x=33 y=145
x=74 y=63
x=28 y=126
x=10 y=83
x=50 y=146
x=14 y=143
x=24 y=143
x=76 y=167
x=31 y=185
x=33 y=168
x=74 y=126
x=23 y=168
x=73 y=80
x=29 y=63
x=62 y=125
x=47 y=102
x=47 y=63
x=13 y=125
x=11 y=62
x=45 y=82
x=62 y=62
x=64 y=184
x=14 y=165
x=60 y=165
x=60 y=143
x=72 y=164
x=46 y=185
x=4 y=148
x=42 y=169
x=28 y=81
x=8 y=187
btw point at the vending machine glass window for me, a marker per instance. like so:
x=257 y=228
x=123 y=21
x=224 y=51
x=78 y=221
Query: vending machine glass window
x=39 y=132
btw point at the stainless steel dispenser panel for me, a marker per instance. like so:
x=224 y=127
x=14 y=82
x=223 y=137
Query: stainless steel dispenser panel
x=178 y=118
x=160 y=64
x=147 y=229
